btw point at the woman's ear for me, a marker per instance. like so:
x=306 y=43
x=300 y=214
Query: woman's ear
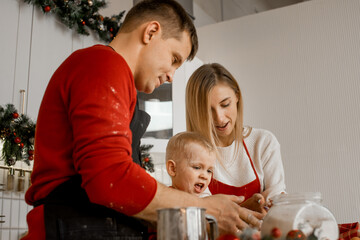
x=171 y=167
x=151 y=29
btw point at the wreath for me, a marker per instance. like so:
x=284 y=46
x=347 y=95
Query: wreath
x=17 y=132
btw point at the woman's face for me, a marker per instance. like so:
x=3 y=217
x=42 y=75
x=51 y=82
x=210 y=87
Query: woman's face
x=223 y=102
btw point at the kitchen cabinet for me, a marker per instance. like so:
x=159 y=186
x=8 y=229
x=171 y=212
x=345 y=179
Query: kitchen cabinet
x=33 y=47
x=51 y=43
x=15 y=24
x=178 y=104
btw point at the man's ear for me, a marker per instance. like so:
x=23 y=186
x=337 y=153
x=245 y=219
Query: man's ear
x=171 y=167
x=151 y=29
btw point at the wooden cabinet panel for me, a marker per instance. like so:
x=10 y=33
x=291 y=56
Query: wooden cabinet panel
x=9 y=19
x=22 y=55
x=51 y=43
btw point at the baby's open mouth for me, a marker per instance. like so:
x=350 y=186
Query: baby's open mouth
x=199 y=187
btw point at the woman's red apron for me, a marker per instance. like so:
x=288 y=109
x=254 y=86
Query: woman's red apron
x=217 y=187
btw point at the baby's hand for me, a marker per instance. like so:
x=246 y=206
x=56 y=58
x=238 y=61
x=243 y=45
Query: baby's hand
x=256 y=203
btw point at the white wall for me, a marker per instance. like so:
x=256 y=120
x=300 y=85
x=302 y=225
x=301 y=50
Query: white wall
x=299 y=70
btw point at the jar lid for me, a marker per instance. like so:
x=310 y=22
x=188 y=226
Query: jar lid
x=295 y=197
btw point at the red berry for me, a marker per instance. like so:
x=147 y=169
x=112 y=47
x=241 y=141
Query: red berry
x=47 y=8
x=17 y=140
x=31 y=157
x=21 y=145
x=15 y=115
x=276 y=232
x=111 y=29
x=295 y=234
x=146 y=159
x=83 y=22
x=227 y=237
x=31 y=152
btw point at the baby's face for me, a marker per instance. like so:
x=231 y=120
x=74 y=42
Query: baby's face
x=193 y=175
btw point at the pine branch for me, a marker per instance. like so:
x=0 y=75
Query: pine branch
x=146 y=159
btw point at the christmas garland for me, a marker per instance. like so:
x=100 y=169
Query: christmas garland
x=17 y=132
x=81 y=14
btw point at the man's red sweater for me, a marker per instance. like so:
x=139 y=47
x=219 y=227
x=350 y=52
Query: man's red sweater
x=83 y=128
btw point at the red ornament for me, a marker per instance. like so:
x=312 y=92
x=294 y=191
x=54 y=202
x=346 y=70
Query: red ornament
x=31 y=157
x=47 y=8
x=31 y=152
x=146 y=159
x=83 y=23
x=227 y=237
x=17 y=140
x=295 y=235
x=15 y=115
x=111 y=29
x=276 y=232
x=21 y=145
x=14 y=133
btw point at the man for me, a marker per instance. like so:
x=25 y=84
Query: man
x=85 y=182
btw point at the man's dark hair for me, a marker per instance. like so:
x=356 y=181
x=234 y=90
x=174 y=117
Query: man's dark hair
x=170 y=14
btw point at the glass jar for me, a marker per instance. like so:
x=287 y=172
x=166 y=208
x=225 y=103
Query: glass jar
x=299 y=216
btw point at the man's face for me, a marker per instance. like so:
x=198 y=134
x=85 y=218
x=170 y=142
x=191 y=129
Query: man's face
x=193 y=174
x=159 y=60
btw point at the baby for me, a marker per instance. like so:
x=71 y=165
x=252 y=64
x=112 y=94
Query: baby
x=190 y=161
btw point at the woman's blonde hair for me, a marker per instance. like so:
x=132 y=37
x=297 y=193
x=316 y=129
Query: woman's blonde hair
x=198 y=110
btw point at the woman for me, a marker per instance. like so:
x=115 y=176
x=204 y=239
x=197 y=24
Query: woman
x=249 y=159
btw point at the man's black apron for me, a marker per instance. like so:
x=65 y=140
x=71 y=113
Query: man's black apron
x=68 y=213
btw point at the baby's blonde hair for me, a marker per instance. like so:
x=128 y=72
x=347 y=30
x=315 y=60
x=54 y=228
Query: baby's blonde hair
x=177 y=146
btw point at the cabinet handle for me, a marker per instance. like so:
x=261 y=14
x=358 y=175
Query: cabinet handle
x=22 y=93
x=1 y=216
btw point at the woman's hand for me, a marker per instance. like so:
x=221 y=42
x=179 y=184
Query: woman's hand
x=231 y=217
x=256 y=203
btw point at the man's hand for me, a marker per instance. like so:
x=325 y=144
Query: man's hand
x=231 y=217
